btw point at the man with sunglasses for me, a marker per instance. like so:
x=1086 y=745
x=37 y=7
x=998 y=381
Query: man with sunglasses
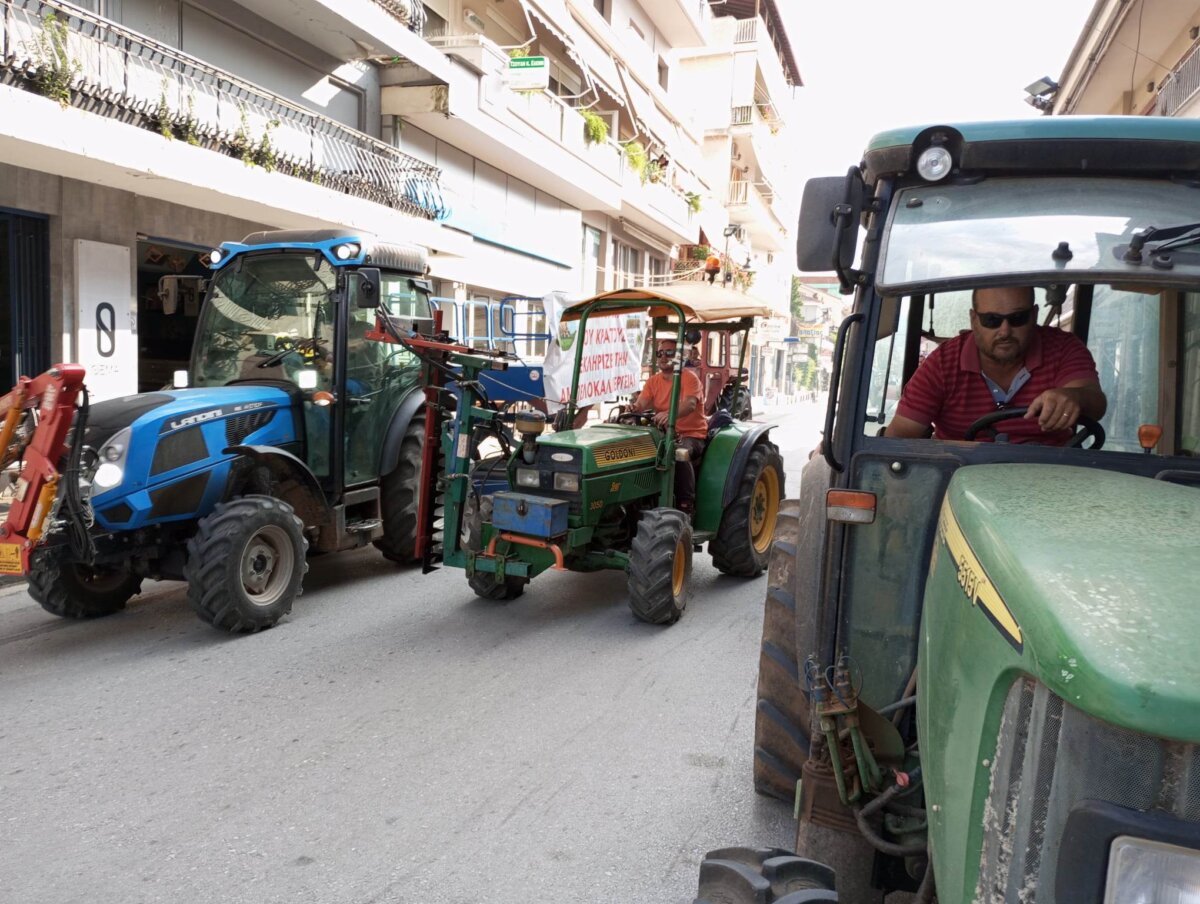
x=691 y=427
x=1004 y=361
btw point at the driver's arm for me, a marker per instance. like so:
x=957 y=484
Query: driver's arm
x=1061 y=407
x=640 y=401
x=907 y=428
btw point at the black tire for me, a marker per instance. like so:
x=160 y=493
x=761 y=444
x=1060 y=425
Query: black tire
x=70 y=590
x=246 y=563
x=781 y=719
x=399 y=490
x=763 y=876
x=485 y=585
x=660 y=566
x=736 y=400
x=742 y=546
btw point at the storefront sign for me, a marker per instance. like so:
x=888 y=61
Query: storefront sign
x=105 y=319
x=769 y=329
x=531 y=73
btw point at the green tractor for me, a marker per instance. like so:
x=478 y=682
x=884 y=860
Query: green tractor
x=600 y=496
x=979 y=675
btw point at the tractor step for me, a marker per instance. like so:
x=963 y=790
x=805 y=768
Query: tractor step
x=367 y=525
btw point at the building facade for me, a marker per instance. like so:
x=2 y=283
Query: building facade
x=139 y=133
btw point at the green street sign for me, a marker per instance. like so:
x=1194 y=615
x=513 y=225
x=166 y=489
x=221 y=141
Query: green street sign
x=531 y=73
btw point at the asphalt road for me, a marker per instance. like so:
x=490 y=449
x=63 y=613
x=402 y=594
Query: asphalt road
x=394 y=740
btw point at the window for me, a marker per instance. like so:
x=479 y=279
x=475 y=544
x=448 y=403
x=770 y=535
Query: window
x=1123 y=338
x=637 y=31
x=1189 y=389
x=601 y=7
x=663 y=73
x=591 y=260
x=627 y=266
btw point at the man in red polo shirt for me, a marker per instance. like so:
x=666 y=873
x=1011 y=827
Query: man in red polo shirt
x=691 y=428
x=1005 y=360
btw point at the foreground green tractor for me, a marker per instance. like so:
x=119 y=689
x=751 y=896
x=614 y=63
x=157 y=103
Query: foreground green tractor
x=979 y=665
x=602 y=496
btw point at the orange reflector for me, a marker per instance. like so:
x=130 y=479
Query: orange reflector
x=1149 y=435
x=850 y=506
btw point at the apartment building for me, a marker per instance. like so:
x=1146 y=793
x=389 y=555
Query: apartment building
x=138 y=133
x=1132 y=57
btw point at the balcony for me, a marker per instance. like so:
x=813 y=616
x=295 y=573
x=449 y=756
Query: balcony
x=682 y=22
x=87 y=62
x=752 y=35
x=1179 y=87
x=752 y=205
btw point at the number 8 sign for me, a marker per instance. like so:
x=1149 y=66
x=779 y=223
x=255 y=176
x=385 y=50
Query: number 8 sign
x=106 y=319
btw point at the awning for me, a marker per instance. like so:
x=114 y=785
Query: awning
x=701 y=303
x=649 y=118
x=597 y=61
x=553 y=15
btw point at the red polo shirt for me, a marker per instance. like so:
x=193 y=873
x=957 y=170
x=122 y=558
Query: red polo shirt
x=949 y=391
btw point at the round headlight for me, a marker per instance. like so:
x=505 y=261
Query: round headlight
x=113 y=452
x=216 y=256
x=934 y=163
x=345 y=252
x=107 y=476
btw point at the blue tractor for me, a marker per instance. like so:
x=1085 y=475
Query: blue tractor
x=296 y=434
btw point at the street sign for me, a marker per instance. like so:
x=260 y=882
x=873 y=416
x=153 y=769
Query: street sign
x=531 y=73
x=769 y=329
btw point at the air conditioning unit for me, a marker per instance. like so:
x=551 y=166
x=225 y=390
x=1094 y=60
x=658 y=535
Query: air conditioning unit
x=473 y=19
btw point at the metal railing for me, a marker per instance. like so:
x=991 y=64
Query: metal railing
x=747 y=31
x=1180 y=86
x=409 y=13
x=103 y=68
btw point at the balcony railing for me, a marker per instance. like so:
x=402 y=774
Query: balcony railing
x=1180 y=86
x=409 y=13
x=88 y=62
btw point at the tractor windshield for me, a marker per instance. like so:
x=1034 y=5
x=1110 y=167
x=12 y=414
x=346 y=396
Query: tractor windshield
x=1037 y=227
x=268 y=316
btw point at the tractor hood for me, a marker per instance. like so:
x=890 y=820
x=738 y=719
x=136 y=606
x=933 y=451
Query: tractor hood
x=1089 y=574
x=177 y=408
x=608 y=445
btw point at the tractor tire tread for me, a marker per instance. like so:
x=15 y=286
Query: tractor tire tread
x=399 y=494
x=731 y=550
x=763 y=876
x=651 y=566
x=51 y=586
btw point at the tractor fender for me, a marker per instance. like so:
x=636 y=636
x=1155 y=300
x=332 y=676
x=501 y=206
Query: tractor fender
x=300 y=487
x=390 y=457
x=737 y=464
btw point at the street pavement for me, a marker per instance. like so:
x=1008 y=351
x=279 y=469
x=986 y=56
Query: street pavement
x=395 y=739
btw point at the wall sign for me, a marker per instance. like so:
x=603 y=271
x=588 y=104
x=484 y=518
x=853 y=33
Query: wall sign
x=105 y=319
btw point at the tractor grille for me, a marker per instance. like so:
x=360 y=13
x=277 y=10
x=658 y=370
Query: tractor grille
x=1050 y=756
x=238 y=427
x=178 y=449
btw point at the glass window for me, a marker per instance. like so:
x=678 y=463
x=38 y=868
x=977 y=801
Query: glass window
x=1012 y=226
x=1189 y=373
x=716 y=349
x=591 y=261
x=1123 y=338
x=887 y=367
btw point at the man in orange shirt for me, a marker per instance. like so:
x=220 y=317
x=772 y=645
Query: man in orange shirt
x=691 y=427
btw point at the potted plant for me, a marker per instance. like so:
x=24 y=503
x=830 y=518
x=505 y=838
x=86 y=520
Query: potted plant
x=635 y=156
x=693 y=199
x=595 y=128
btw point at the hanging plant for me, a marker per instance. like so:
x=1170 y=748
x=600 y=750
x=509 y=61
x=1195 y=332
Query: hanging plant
x=265 y=154
x=693 y=199
x=635 y=156
x=162 y=115
x=56 y=68
x=652 y=172
x=517 y=53
x=595 y=127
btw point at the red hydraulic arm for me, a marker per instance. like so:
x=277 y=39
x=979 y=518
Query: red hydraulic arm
x=51 y=400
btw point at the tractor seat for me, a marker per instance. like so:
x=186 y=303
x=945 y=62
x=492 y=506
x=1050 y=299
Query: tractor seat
x=720 y=419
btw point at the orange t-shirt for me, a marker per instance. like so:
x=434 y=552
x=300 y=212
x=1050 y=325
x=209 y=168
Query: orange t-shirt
x=657 y=394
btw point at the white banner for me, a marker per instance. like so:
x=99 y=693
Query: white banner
x=612 y=355
x=105 y=319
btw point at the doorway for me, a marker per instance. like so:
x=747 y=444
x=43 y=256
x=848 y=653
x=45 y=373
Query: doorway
x=24 y=296
x=165 y=339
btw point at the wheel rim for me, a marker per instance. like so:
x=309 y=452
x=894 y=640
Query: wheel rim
x=764 y=509
x=678 y=569
x=267 y=564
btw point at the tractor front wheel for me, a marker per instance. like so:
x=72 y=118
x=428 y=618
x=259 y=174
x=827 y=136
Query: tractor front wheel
x=71 y=590
x=660 y=566
x=245 y=564
x=763 y=876
x=742 y=546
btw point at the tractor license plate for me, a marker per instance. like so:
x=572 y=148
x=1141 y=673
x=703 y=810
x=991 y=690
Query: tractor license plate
x=10 y=559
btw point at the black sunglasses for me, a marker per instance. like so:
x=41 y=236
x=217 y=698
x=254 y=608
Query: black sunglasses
x=665 y=353
x=992 y=321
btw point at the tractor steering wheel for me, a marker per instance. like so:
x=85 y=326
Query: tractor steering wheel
x=1088 y=428
x=643 y=417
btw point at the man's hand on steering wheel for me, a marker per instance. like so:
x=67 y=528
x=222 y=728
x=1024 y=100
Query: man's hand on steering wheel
x=660 y=419
x=1055 y=409
x=1087 y=427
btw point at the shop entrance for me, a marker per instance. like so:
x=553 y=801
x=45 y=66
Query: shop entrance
x=165 y=338
x=24 y=297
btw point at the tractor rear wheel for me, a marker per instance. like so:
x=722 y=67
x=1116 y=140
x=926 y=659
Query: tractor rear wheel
x=660 y=566
x=398 y=494
x=71 y=590
x=763 y=876
x=487 y=586
x=246 y=563
x=742 y=545
x=781 y=718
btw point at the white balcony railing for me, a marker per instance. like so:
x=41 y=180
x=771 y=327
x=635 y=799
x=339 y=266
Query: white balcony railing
x=1179 y=86
x=83 y=60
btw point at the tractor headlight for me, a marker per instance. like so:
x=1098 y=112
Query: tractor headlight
x=112 y=461
x=568 y=483
x=347 y=251
x=528 y=477
x=1142 y=870
x=934 y=163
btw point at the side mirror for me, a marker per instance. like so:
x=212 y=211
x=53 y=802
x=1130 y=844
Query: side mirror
x=369 y=281
x=176 y=292
x=827 y=234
